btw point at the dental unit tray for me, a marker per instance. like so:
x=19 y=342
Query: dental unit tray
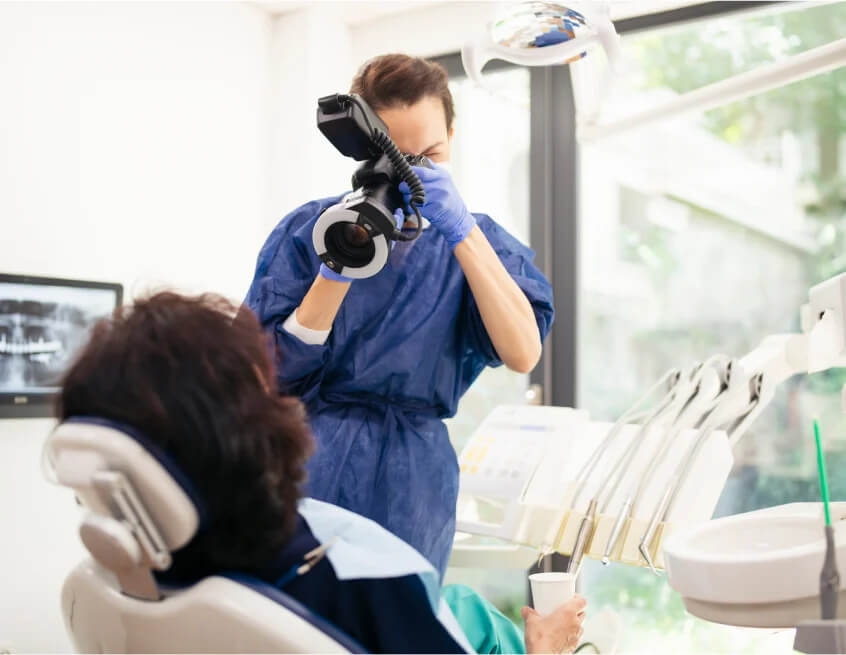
x=518 y=482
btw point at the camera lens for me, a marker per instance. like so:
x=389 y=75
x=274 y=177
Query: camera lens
x=350 y=244
x=356 y=235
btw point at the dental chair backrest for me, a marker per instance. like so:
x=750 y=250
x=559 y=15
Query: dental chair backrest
x=141 y=508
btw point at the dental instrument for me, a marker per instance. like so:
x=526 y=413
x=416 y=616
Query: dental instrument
x=666 y=500
x=826 y=635
x=829 y=578
x=669 y=380
x=688 y=413
x=585 y=533
x=588 y=522
x=711 y=422
x=623 y=515
x=311 y=559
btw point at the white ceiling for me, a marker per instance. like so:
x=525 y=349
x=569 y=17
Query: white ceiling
x=355 y=12
x=352 y=12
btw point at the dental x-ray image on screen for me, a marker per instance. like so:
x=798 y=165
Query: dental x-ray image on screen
x=43 y=322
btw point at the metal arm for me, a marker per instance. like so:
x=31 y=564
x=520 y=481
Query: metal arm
x=777 y=74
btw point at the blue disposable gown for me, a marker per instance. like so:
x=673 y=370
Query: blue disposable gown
x=404 y=347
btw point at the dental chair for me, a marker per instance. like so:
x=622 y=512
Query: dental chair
x=140 y=509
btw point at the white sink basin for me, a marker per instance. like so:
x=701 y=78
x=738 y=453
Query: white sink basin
x=759 y=569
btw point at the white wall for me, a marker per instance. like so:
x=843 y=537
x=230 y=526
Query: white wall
x=156 y=144
x=133 y=140
x=311 y=59
x=423 y=32
x=133 y=148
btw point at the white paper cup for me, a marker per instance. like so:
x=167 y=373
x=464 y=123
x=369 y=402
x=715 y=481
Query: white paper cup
x=551 y=590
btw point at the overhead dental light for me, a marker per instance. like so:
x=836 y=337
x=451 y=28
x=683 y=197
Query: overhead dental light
x=544 y=33
x=538 y=33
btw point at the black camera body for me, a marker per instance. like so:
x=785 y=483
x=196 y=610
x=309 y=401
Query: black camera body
x=353 y=238
x=349 y=123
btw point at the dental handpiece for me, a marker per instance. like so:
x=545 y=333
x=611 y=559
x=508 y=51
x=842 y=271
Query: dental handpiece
x=589 y=520
x=617 y=472
x=688 y=414
x=666 y=498
x=682 y=399
x=617 y=530
x=714 y=420
x=628 y=502
x=585 y=532
x=588 y=468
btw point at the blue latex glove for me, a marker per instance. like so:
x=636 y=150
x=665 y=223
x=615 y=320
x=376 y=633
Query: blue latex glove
x=443 y=207
x=399 y=218
x=329 y=274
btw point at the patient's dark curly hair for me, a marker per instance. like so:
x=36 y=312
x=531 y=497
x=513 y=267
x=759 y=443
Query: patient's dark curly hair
x=201 y=385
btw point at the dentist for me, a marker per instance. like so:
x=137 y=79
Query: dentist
x=381 y=361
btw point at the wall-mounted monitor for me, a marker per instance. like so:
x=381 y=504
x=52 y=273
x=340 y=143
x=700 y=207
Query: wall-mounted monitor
x=43 y=323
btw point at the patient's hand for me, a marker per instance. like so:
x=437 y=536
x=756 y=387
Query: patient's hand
x=557 y=633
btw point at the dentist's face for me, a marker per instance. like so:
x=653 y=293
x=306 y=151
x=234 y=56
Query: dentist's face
x=420 y=129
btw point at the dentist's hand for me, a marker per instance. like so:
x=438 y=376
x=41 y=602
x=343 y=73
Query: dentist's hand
x=443 y=207
x=557 y=633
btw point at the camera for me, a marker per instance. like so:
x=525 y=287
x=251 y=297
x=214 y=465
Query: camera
x=354 y=237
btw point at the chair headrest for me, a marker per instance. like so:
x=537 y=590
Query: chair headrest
x=83 y=448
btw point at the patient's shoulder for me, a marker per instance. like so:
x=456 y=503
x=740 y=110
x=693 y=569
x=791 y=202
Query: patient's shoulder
x=328 y=521
x=362 y=548
x=384 y=593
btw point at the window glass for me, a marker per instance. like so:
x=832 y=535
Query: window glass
x=702 y=235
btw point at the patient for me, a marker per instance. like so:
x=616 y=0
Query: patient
x=199 y=385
